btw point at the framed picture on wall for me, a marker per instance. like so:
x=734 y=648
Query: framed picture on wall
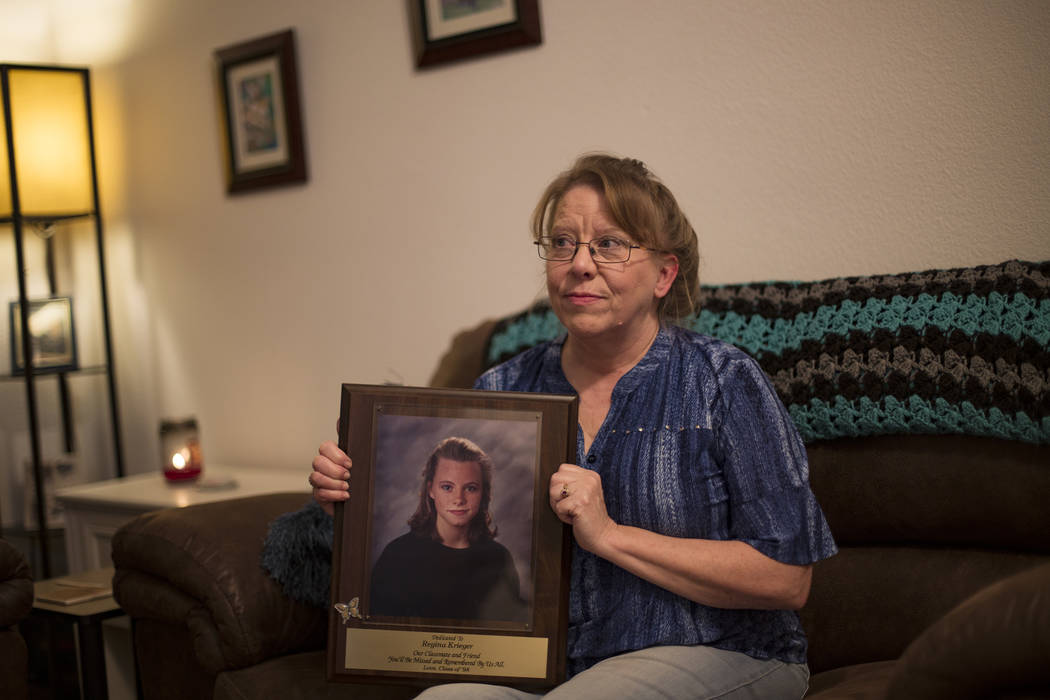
x=448 y=563
x=52 y=340
x=449 y=30
x=262 y=124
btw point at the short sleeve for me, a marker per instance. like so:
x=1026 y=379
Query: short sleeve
x=767 y=472
x=486 y=382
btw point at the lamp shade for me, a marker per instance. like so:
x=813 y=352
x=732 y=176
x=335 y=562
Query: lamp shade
x=49 y=141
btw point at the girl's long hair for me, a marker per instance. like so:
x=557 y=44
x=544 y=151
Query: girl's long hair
x=424 y=521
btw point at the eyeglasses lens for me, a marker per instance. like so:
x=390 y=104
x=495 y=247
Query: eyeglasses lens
x=607 y=250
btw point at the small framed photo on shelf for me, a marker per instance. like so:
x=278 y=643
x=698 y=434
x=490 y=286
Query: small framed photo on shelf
x=262 y=124
x=449 y=30
x=448 y=563
x=51 y=335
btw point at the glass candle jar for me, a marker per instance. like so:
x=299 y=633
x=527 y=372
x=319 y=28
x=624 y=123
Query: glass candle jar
x=180 y=450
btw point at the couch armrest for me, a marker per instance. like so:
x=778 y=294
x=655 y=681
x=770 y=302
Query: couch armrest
x=994 y=644
x=16 y=585
x=199 y=567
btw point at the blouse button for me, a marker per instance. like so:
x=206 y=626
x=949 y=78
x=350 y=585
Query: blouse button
x=591 y=459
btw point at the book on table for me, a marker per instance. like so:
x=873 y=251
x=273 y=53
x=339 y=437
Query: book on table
x=73 y=593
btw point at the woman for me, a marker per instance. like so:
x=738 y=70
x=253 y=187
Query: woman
x=449 y=565
x=694 y=524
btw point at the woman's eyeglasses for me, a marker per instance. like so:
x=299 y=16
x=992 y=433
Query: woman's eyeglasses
x=606 y=249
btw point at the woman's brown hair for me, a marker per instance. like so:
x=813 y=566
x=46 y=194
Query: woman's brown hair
x=645 y=209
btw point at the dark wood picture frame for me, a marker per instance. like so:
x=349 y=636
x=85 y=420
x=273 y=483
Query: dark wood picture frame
x=262 y=123
x=439 y=41
x=52 y=336
x=390 y=432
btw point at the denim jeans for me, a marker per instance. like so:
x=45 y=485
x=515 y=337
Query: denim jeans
x=664 y=673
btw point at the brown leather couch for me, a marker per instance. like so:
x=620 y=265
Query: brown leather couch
x=16 y=601
x=941 y=588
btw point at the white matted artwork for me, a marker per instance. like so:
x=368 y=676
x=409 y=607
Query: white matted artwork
x=447 y=18
x=451 y=30
x=259 y=124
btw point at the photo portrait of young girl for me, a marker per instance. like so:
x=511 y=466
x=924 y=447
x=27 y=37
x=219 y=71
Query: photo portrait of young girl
x=452 y=521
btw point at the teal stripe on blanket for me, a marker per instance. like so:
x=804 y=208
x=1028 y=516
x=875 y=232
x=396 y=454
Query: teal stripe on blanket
x=524 y=333
x=1014 y=316
x=820 y=420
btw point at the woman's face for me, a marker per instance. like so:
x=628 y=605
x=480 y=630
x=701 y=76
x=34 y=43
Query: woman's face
x=592 y=300
x=456 y=490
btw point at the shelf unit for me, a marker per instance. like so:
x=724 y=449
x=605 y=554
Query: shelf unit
x=50 y=264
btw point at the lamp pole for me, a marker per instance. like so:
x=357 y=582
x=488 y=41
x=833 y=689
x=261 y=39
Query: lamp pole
x=111 y=374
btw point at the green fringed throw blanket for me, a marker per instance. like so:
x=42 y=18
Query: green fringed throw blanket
x=964 y=350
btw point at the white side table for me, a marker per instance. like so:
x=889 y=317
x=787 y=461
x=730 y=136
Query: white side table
x=94 y=512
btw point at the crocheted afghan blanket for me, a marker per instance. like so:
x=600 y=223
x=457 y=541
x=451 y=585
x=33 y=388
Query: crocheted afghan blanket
x=963 y=351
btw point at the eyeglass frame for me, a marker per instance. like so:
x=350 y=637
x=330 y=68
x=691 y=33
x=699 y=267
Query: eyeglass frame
x=590 y=249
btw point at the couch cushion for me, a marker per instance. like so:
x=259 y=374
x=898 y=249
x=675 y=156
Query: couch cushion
x=922 y=522
x=951 y=490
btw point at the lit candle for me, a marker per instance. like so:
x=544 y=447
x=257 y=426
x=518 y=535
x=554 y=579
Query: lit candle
x=179 y=441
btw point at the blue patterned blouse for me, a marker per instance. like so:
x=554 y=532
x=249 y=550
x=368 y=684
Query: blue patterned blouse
x=696 y=444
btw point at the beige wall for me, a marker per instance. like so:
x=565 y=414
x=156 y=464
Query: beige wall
x=804 y=139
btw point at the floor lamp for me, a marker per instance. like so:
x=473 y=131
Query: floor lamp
x=48 y=175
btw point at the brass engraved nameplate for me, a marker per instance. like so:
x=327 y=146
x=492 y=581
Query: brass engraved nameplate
x=433 y=652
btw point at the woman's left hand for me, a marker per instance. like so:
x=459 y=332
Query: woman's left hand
x=576 y=498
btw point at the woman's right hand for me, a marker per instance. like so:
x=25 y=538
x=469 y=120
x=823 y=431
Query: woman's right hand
x=330 y=475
